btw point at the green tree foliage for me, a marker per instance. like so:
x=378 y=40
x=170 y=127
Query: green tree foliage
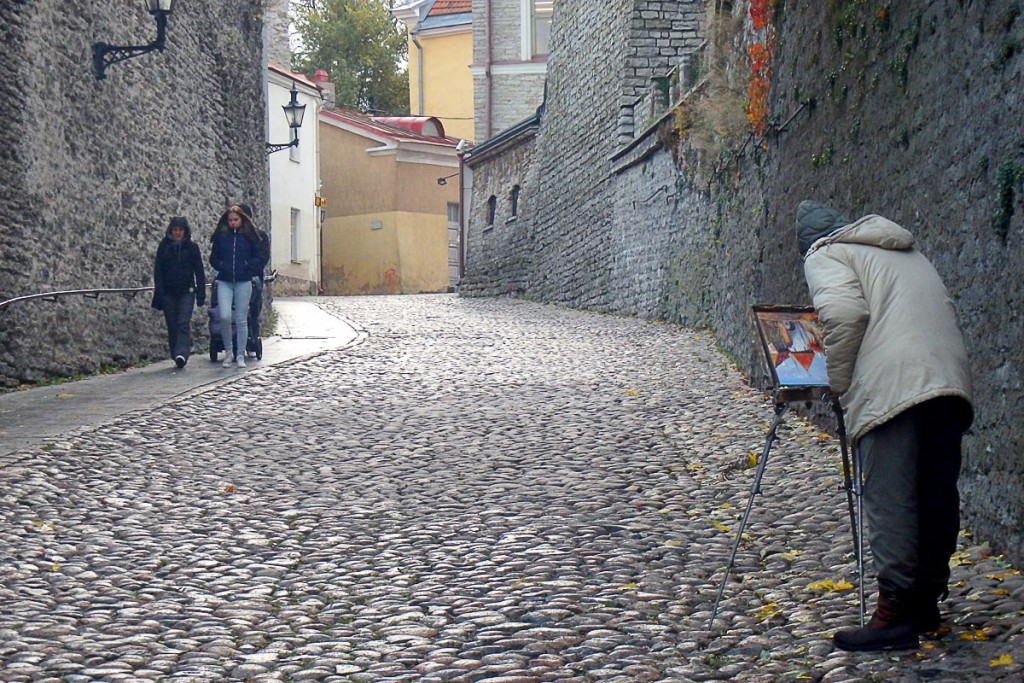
x=362 y=48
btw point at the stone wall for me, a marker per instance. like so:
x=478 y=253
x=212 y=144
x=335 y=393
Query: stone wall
x=899 y=119
x=498 y=251
x=92 y=170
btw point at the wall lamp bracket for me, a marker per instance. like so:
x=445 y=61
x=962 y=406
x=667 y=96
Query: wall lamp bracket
x=104 y=54
x=293 y=113
x=444 y=180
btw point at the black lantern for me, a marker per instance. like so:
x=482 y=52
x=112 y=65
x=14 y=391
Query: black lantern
x=293 y=113
x=103 y=54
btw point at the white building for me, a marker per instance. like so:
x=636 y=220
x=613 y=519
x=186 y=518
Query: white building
x=294 y=184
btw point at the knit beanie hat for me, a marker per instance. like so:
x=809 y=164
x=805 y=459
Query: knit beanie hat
x=814 y=221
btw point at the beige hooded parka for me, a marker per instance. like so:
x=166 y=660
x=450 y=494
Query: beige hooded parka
x=891 y=335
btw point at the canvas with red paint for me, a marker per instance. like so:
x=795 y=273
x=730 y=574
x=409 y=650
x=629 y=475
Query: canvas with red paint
x=793 y=342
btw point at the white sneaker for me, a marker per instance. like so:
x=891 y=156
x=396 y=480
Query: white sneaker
x=241 y=361
x=228 y=360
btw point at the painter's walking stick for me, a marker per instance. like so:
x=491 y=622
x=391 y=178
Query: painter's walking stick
x=755 y=488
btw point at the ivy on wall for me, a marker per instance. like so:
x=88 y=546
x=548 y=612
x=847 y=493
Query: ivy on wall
x=762 y=16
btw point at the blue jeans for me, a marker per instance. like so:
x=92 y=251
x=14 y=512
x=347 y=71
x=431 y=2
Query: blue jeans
x=233 y=302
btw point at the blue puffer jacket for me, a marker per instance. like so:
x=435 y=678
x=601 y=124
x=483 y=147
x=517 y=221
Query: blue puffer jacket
x=234 y=256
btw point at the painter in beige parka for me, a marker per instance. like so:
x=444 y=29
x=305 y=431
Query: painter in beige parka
x=896 y=357
x=888 y=346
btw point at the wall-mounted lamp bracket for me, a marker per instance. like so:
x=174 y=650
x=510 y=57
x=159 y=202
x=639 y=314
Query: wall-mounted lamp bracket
x=293 y=113
x=104 y=54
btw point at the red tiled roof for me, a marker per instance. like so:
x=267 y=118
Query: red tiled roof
x=384 y=128
x=450 y=7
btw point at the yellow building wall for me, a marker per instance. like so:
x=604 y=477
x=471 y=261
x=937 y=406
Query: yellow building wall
x=353 y=182
x=423 y=252
x=447 y=81
x=407 y=254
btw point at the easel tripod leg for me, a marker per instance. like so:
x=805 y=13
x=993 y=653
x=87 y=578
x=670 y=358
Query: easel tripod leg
x=755 y=488
x=853 y=484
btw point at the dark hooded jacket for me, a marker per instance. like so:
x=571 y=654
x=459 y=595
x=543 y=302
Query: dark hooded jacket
x=236 y=256
x=178 y=267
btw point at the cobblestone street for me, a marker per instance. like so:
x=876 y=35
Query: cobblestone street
x=476 y=490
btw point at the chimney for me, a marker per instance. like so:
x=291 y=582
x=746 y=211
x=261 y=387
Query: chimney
x=321 y=78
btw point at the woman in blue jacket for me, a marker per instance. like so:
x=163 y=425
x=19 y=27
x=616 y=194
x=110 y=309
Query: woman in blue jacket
x=235 y=256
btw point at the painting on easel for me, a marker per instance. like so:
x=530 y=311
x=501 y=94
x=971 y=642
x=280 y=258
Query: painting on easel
x=793 y=343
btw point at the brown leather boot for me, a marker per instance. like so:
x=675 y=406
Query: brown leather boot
x=892 y=627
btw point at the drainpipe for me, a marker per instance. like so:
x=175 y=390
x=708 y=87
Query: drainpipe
x=489 y=86
x=419 y=76
x=462 y=216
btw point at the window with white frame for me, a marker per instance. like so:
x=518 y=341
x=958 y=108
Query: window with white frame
x=536 y=27
x=296 y=222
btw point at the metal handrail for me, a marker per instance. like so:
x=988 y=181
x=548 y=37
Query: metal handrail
x=129 y=292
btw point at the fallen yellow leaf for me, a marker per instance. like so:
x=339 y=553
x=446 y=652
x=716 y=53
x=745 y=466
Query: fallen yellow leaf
x=768 y=611
x=961 y=558
x=975 y=634
x=1001 y=660
x=721 y=527
x=830 y=585
x=673 y=544
x=999 y=576
x=632 y=392
x=751 y=460
x=64 y=395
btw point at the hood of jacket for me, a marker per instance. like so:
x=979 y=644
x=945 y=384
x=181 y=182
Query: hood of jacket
x=178 y=222
x=872 y=230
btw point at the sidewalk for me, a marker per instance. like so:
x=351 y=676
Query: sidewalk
x=31 y=416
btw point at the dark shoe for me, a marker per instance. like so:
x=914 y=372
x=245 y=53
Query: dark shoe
x=180 y=361
x=925 y=608
x=892 y=627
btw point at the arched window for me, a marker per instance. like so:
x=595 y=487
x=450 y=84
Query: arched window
x=514 y=200
x=492 y=206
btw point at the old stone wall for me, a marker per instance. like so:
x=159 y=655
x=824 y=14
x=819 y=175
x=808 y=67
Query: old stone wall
x=910 y=110
x=499 y=249
x=91 y=170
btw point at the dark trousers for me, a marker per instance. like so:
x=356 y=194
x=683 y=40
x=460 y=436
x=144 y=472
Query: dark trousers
x=178 y=316
x=911 y=466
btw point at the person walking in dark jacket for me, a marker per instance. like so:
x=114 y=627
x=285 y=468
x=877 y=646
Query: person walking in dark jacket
x=235 y=255
x=179 y=284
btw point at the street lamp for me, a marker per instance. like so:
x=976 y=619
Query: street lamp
x=293 y=113
x=103 y=54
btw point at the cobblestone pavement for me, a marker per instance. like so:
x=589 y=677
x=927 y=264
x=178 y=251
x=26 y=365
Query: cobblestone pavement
x=480 y=490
